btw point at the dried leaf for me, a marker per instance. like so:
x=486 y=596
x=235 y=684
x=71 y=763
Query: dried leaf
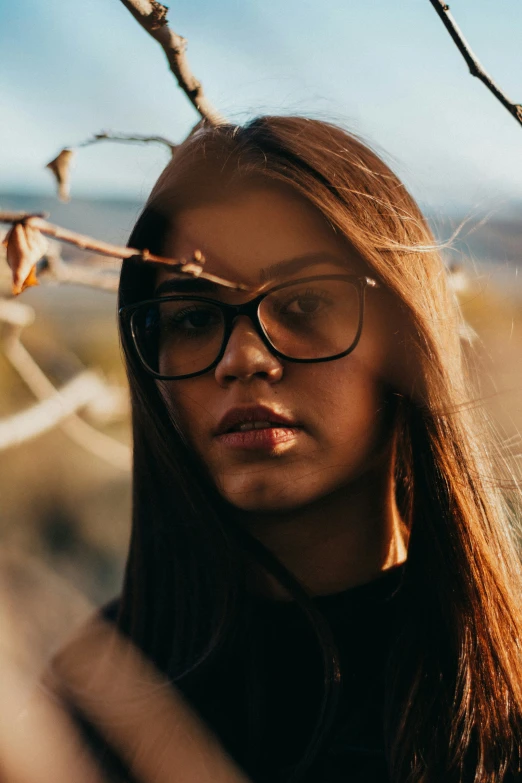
x=61 y=168
x=25 y=247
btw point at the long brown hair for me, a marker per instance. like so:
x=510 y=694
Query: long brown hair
x=454 y=680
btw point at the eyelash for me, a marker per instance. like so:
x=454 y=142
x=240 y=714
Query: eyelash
x=301 y=295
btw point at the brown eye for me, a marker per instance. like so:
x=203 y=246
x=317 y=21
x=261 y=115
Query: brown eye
x=190 y=320
x=306 y=303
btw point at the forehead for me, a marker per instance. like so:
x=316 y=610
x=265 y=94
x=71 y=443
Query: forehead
x=256 y=233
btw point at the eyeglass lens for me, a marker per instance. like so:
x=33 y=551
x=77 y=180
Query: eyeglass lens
x=311 y=320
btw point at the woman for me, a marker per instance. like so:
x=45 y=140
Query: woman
x=320 y=559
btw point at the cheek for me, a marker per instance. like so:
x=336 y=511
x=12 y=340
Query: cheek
x=352 y=384
x=349 y=405
x=190 y=402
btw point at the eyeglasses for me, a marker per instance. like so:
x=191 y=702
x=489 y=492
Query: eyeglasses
x=314 y=319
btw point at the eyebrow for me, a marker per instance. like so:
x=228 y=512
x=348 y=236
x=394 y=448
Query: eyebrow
x=292 y=265
x=272 y=272
x=181 y=285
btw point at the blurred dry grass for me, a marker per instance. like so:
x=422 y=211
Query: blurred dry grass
x=493 y=307
x=59 y=503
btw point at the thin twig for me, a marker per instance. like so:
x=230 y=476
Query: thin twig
x=152 y=16
x=192 y=267
x=475 y=68
x=60 y=166
x=127 y=139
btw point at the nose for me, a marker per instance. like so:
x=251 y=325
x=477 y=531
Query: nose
x=246 y=357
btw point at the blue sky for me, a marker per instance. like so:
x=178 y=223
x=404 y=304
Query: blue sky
x=387 y=70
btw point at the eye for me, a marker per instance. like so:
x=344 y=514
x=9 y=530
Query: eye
x=195 y=318
x=309 y=302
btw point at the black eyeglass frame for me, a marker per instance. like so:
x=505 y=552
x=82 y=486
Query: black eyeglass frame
x=250 y=309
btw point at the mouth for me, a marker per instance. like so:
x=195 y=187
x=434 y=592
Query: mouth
x=268 y=439
x=259 y=417
x=257 y=427
x=247 y=426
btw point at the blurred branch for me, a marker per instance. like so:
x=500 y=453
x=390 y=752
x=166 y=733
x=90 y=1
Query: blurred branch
x=475 y=68
x=152 y=16
x=56 y=407
x=55 y=269
x=48 y=413
x=140 y=713
x=192 y=267
x=99 y=675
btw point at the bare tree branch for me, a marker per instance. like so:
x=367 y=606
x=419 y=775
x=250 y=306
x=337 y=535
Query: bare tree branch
x=475 y=68
x=152 y=16
x=192 y=267
x=128 y=138
x=94 y=272
x=60 y=166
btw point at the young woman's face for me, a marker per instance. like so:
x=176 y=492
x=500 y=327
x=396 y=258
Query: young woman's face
x=332 y=414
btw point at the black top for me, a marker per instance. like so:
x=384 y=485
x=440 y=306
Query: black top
x=263 y=705
x=289 y=680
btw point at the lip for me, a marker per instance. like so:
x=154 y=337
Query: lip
x=271 y=439
x=244 y=414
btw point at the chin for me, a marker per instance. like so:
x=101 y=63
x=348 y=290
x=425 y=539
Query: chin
x=264 y=506
x=265 y=498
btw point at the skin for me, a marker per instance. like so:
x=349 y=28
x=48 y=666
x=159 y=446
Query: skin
x=324 y=502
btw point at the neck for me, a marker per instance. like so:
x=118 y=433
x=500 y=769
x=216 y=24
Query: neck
x=343 y=540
